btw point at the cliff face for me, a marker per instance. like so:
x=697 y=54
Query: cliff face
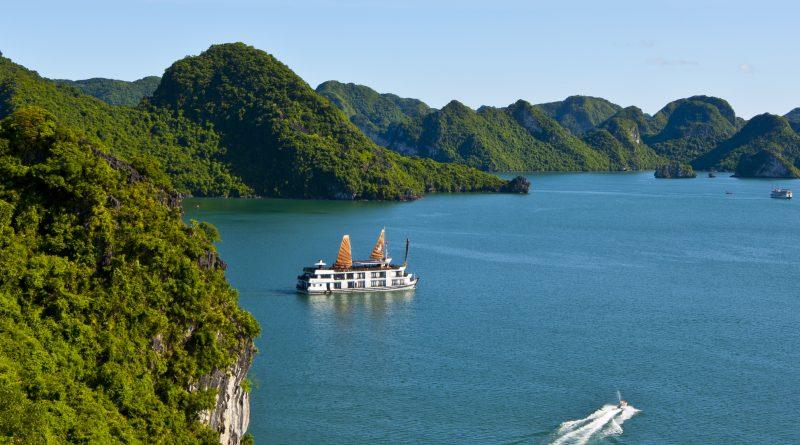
x=675 y=170
x=231 y=413
x=765 y=164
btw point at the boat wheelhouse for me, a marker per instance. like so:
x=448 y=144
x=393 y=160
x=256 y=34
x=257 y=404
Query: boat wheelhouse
x=345 y=275
x=781 y=193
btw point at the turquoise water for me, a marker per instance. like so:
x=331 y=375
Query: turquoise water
x=531 y=311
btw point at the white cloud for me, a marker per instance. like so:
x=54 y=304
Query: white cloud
x=746 y=68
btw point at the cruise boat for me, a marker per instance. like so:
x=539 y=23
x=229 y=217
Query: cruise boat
x=375 y=274
x=781 y=194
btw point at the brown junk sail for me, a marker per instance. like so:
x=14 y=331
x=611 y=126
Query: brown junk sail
x=379 y=251
x=345 y=259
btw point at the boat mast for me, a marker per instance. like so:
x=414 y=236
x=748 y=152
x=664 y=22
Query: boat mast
x=405 y=260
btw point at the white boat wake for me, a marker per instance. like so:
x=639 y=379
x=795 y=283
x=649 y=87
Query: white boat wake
x=606 y=421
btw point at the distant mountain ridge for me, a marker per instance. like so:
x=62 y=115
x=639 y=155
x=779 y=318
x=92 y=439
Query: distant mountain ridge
x=579 y=114
x=519 y=137
x=115 y=92
x=578 y=133
x=687 y=128
x=765 y=132
x=389 y=120
x=205 y=146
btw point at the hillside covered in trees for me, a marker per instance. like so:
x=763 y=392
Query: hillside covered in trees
x=765 y=132
x=519 y=137
x=579 y=133
x=290 y=142
x=150 y=138
x=115 y=92
x=283 y=139
x=114 y=310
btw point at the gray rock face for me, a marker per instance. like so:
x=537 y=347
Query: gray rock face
x=520 y=184
x=764 y=164
x=231 y=413
x=675 y=170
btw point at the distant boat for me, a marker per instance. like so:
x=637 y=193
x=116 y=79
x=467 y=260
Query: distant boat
x=711 y=175
x=728 y=193
x=373 y=275
x=779 y=193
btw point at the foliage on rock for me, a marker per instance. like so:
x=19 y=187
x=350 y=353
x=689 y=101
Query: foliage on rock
x=108 y=318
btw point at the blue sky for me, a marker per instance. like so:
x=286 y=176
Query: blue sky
x=493 y=52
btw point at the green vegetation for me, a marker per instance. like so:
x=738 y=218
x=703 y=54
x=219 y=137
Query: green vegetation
x=763 y=132
x=111 y=307
x=146 y=136
x=285 y=140
x=389 y=120
x=794 y=119
x=579 y=114
x=503 y=139
x=520 y=137
x=115 y=92
x=687 y=128
x=765 y=164
x=620 y=138
x=567 y=150
x=675 y=170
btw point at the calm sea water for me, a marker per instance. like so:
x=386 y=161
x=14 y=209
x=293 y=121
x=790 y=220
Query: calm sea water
x=532 y=311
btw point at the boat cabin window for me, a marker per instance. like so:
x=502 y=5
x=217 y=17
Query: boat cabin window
x=378 y=283
x=397 y=282
x=361 y=275
x=325 y=276
x=337 y=285
x=399 y=273
x=338 y=276
x=378 y=274
x=349 y=276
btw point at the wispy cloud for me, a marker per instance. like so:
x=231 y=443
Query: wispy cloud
x=746 y=68
x=660 y=61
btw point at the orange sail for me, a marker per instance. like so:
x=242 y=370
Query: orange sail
x=379 y=251
x=345 y=259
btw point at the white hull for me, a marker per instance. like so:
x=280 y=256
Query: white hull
x=411 y=286
x=363 y=276
x=781 y=194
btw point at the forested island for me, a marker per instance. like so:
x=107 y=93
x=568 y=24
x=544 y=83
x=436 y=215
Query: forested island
x=580 y=133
